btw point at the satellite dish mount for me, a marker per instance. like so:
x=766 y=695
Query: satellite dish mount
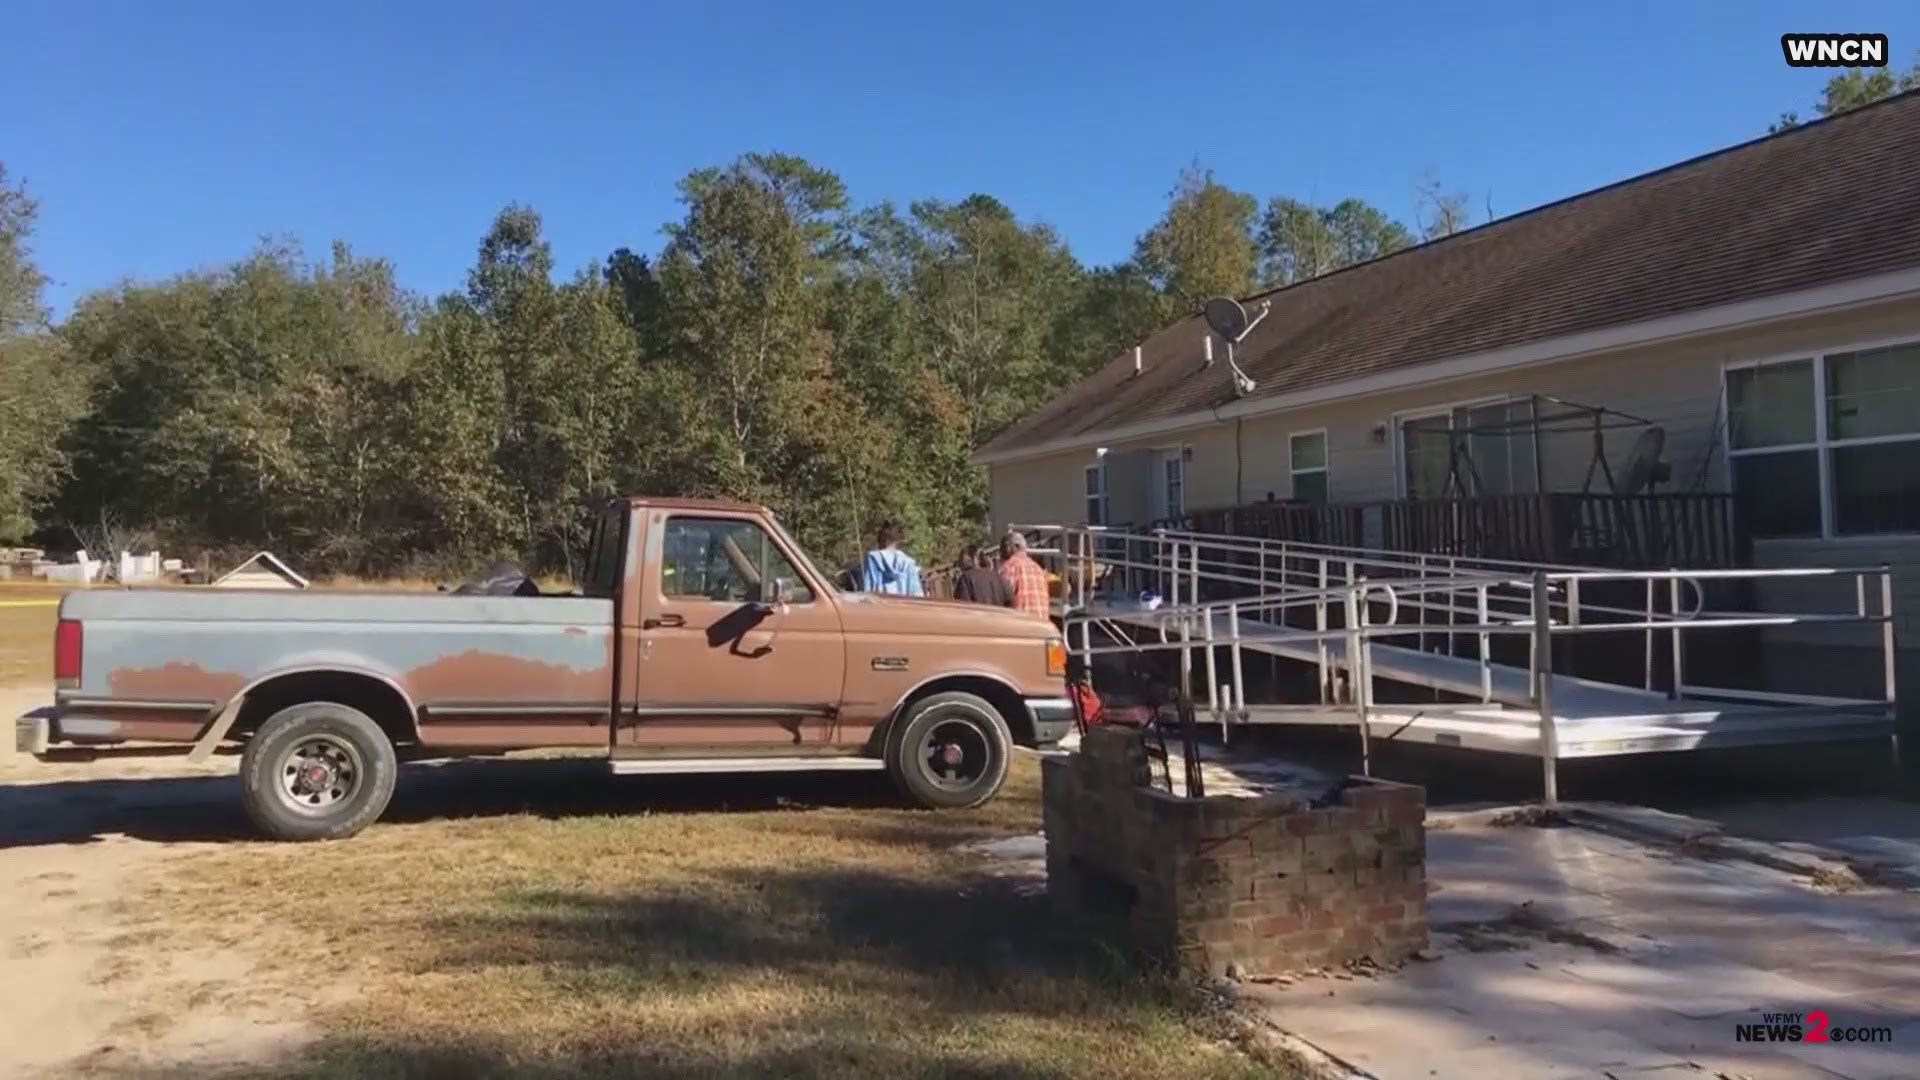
x=1227 y=318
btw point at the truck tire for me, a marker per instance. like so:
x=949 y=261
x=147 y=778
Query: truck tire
x=949 y=751
x=317 y=771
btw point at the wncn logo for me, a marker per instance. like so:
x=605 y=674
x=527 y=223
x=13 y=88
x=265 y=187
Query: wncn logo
x=1835 y=50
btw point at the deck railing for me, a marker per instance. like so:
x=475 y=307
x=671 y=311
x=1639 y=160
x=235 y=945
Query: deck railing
x=1688 y=530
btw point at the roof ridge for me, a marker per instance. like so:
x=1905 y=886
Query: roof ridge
x=1692 y=234
x=1424 y=245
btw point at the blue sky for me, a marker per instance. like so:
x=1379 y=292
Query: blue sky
x=162 y=137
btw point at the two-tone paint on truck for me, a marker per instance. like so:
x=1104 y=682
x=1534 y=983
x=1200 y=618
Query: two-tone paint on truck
x=704 y=640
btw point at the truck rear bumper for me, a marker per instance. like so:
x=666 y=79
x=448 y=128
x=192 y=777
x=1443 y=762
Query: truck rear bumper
x=1052 y=719
x=32 y=732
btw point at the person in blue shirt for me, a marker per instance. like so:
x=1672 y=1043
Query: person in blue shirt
x=890 y=570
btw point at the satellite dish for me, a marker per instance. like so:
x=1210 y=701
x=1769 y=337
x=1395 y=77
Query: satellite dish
x=1644 y=467
x=1226 y=317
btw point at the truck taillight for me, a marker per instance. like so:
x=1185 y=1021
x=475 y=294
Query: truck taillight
x=66 y=653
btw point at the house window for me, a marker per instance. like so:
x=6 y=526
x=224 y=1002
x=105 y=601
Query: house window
x=1173 y=486
x=1307 y=463
x=1827 y=445
x=1097 y=494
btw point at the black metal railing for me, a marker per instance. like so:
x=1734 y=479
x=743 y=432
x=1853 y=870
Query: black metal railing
x=1629 y=532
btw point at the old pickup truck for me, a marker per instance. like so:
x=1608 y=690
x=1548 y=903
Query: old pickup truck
x=703 y=640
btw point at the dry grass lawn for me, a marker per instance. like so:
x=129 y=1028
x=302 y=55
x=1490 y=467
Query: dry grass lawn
x=573 y=924
x=27 y=615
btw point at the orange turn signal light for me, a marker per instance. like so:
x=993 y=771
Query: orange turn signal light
x=1057 y=658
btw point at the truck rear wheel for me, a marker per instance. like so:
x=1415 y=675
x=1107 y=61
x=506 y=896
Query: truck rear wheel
x=949 y=751
x=317 y=771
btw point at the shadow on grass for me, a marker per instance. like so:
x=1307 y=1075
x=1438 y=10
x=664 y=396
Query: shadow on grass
x=836 y=971
x=207 y=808
x=469 y=1058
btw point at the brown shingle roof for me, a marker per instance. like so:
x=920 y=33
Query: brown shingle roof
x=1817 y=204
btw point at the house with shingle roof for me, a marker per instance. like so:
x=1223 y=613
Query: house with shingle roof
x=1759 y=305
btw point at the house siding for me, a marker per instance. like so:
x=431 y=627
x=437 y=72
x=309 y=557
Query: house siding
x=1042 y=491
x=1677 y=386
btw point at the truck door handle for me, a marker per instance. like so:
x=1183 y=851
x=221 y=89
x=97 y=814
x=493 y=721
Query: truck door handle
x=658 y=621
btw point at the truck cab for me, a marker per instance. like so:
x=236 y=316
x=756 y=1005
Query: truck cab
x=734 y=644
x=701 y=640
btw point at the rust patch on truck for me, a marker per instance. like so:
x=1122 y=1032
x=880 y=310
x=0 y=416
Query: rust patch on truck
x=479 y=675
x=174 y=680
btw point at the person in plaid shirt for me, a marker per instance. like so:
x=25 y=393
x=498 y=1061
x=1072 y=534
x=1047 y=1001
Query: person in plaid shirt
x=1024 y=577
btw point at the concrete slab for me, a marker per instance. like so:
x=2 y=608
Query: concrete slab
x=1468 y=1016
x=1879 y=834
x=1693 y=983
x=1630 y=960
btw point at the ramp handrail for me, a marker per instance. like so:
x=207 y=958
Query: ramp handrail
x=1253 y=577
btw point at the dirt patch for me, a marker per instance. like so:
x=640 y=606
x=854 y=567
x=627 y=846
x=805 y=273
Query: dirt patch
x=1839 y=877
x=91 y=987
x=1520 y=928
x=27 y=617
x=1536 y=817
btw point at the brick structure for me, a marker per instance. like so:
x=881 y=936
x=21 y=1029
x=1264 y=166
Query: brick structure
x=1268 y=882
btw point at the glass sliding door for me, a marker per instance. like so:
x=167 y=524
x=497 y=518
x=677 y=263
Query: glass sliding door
x=1487 y=446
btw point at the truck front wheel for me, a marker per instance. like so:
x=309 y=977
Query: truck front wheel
x=949 y=751
x=317 y=771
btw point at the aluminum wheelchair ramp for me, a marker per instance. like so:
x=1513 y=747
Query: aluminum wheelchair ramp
x=1428 y=621
x=1593 y=719
x=1503 y=729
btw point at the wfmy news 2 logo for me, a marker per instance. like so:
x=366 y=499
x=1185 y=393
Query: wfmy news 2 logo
x=1813 y=1026
x=1835 y=50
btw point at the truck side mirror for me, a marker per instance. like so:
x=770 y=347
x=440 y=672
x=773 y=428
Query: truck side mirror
x=778 y=595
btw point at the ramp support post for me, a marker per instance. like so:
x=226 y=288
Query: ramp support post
x=1679 y=653
x=1357 y=674
x=1889 y=656
x=1543 y=689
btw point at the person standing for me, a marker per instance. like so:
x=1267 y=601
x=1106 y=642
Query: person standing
x=979 y=582
x=889 y=570
x=1025 y=577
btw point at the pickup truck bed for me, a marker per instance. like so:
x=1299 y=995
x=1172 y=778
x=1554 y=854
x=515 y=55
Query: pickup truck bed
x=158 y=662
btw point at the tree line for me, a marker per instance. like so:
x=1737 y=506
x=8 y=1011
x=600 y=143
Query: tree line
x=837 y=362
x=1853 y=88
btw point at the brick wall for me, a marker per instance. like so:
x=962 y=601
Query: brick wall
x=1268 y=883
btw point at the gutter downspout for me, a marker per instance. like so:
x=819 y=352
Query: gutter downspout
x=1239 y=459
x=1239 y=465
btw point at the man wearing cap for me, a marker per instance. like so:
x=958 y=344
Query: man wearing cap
x=1025 y=577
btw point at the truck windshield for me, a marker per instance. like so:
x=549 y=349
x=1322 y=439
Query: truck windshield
x=812 y=568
